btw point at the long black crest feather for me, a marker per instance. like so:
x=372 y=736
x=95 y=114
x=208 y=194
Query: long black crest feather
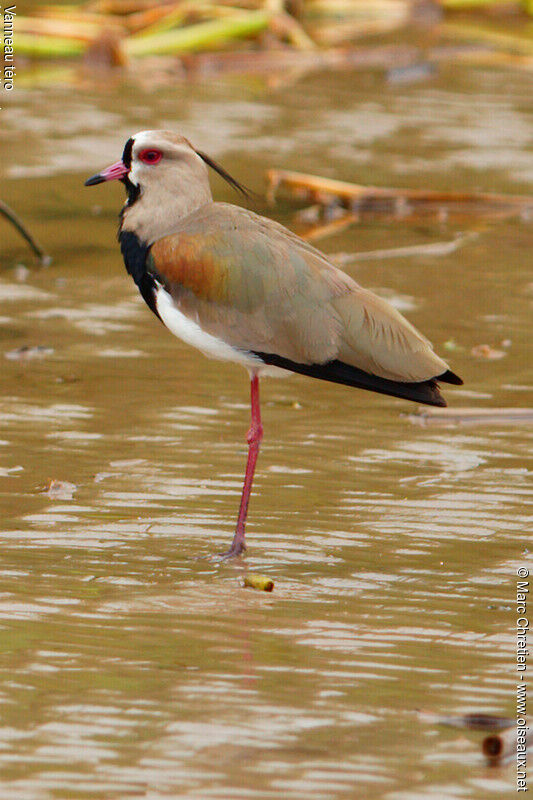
x=248 y=193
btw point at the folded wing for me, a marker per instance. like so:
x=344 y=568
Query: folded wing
x=261 y=289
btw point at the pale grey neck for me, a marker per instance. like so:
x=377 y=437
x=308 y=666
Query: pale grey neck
x=151 y=218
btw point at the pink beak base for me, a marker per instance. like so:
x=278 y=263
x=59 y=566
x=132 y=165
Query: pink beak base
x=113 y=173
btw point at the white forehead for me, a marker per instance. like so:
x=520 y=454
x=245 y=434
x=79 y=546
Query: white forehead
x=144 y=138
x=158 y=139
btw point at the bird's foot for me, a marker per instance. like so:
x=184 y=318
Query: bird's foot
x=237 y=548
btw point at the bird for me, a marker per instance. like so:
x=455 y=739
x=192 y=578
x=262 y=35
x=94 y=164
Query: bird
x=241 y=287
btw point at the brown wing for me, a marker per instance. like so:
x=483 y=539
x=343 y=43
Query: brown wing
x=255 y=291
x=258 y=287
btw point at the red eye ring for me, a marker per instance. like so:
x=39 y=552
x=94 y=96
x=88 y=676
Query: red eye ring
x=150 y=156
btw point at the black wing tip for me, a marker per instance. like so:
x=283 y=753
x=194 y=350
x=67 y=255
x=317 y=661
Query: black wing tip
x=426 y=392
x=450 y=377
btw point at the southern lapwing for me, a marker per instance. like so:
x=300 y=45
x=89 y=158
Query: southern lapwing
x=240 y=287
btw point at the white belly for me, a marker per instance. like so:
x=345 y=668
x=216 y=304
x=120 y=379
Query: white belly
x=211 y=346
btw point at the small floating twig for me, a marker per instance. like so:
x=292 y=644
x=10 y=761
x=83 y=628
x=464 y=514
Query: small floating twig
x=10 y=215
x=430 y=249
x=476 y=721
x=471 y=416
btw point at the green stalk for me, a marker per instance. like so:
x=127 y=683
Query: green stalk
x=204 y=35
x=29 y=44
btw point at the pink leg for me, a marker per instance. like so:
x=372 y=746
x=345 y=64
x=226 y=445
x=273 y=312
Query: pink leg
x=253 y=437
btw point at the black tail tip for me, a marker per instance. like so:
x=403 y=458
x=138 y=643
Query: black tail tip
x=450 y=377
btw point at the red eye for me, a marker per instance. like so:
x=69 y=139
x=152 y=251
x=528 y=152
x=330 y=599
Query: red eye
x=150 y=156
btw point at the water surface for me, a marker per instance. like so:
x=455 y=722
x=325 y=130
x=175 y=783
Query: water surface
x=131 y=665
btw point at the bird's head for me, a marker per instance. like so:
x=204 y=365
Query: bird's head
x=166 y=179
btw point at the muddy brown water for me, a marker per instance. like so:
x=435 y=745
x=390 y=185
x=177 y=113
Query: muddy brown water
x=130 y=665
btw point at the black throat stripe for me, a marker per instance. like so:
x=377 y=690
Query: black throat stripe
x=135 y=254
x=126 y=155
x=133 y=193
x=132 y=190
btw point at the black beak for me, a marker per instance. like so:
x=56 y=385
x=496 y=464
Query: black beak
x=94 y=179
